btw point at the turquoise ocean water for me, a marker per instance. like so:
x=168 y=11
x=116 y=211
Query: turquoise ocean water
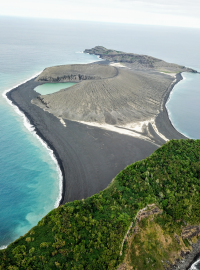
x=184 y=105
x=29 y=176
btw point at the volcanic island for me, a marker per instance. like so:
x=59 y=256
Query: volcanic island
x=113 y=116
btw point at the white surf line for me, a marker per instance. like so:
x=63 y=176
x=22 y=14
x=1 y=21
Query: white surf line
x=3 y=247
x=193 y=267
x=125 y=237
x=168 y=112
x=173 y=90
x=31 y=128
x=98 y=57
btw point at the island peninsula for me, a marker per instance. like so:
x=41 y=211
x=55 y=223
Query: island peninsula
x=114 y=116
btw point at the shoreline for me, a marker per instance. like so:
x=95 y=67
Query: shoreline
x=163 y=115
x=169 y=97
x=27 y=121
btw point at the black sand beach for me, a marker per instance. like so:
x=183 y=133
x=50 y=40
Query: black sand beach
x=89 y=157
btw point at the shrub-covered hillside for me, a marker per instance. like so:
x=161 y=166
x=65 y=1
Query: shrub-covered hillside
x=88 y=234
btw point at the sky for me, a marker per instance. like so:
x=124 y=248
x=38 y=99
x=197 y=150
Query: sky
x=184 y=13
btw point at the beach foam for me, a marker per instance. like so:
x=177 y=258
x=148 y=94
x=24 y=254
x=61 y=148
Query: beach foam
x=3 y=247
x=194 y=266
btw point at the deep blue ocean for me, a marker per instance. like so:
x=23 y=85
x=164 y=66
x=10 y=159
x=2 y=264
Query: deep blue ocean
x=29 y=176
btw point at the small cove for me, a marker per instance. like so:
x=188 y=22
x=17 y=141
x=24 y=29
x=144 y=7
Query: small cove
x=50 y=88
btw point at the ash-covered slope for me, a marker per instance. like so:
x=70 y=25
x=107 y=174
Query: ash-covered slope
x=137 y=60
x=123 y=98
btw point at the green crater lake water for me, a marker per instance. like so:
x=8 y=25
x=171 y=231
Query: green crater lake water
x=49 y=88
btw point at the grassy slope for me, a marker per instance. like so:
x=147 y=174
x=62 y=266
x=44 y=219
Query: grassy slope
x=88 y=234
x=152 y=247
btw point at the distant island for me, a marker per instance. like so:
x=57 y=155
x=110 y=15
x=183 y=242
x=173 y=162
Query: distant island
x=146 y=217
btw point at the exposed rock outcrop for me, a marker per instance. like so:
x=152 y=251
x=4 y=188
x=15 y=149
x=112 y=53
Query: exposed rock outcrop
x=190 y=231
x=136 y=60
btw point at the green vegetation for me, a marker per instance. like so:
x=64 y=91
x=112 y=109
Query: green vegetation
x=154 y=246
x=88 y=234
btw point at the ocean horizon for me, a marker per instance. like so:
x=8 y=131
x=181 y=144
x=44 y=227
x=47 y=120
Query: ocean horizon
x=29 y=170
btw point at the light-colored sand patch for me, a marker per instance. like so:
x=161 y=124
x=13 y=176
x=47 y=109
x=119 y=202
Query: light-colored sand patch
x=117 y=65
x=125 y=130
x=156 y=130
x=62 y=121
x=120 y=130
x=170 y=74
x=139 y=125
x=129 y=129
